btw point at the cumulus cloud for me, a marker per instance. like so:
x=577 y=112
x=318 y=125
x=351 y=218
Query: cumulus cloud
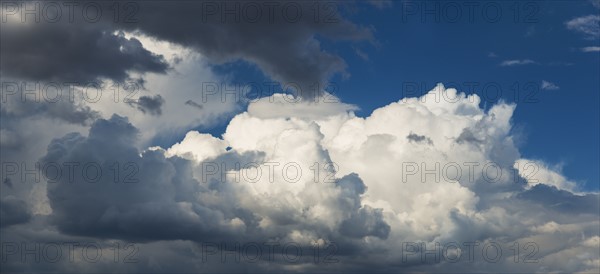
x=166 y=190
x=282 y=106
x=367 y=184
x=537 y=172
x=287 y=169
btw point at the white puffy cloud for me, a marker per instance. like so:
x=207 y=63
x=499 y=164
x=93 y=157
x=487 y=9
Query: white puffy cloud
x=462 y=184
x=536 y=172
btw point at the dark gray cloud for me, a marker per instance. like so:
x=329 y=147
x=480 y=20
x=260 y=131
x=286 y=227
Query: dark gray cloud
x=194 y=104
x=413 y=137
x=148 y=104
x=282 y=38
x=554 y=199
x=467 y=136
x=364 y=221
x=64 y=110
x=7 y=182
x=282 y=45
x=73 y=52
x=13 y=211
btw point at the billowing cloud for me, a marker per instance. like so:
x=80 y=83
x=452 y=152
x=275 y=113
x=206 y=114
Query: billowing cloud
x=158 y=190
x=369 y=184
x=382 y=189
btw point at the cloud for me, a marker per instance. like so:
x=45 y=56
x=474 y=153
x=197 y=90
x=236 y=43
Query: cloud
x=563 y=201
x=590 y=49
x=283 y=105
x=148 y=104
x=20 y=106
x=359 y=194
x=364 y=56
x=193 y=104
x=509 y=63
x=368 y=202
x=76 y=53
x=419 y=138
x=548 y=85
x=537 y=172
x=289 y=51
x=588 y=25
x=13 y=211
x=171 y=190
x=8 y=138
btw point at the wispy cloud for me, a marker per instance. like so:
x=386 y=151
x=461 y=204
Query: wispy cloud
x=508 y=63
x=588 y=25
x=549 y=85
x=590 y=49
x=361 y=54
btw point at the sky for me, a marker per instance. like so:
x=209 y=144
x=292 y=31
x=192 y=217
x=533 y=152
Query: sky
x=300 y=136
